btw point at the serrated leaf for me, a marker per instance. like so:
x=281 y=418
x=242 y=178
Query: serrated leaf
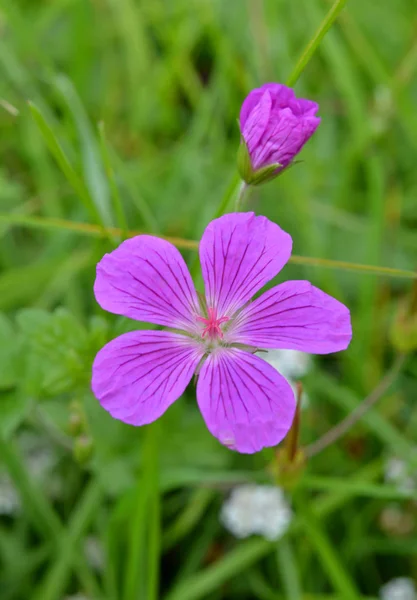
x=57 y=354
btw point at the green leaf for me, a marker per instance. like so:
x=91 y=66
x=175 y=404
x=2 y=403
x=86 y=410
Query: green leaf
x=63 y=162
x=244 y=164
x=56 y=351
x=94 y=171
x=265 y=174
x=328 y=557
x=13 y=409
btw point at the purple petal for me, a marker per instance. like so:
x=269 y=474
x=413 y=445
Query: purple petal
x=249 y=103
x=246 y=404
x=137 y=376
x=307 y=108
x=257 y=122
x=281 y=141
x=146 y=279
x=285 y=137
x=280 y=94
x=239 y=253
x=276 y=125
x=294 y=315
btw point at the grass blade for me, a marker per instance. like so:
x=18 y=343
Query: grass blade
x=63 y=162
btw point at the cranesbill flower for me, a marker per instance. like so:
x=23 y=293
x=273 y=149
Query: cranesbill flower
x=244 y=401
x=274 y=125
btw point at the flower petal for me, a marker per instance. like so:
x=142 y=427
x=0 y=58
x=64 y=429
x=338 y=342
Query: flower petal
x=239 y=253
x=294 y=315
x=257 y=122
x=245 y=402
x=284 y=138
x=307 y=108
x=138 y=375
x=280 y=94
x=146 y=279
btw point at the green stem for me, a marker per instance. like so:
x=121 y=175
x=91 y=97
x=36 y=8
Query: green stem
x=230 y=193
x=57 y=576
x=243 y=194
x=315 y=41
x=154 y=540
x=115 y=196
x=339 y=430
x=144 y=541
x=42 y=515
x=92 y=230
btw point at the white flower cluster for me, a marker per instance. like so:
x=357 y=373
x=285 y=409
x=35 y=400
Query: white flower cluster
x=256 y=509
x=398 y=473
x=292 y=364
x=401 y=588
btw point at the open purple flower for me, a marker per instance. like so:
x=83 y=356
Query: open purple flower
x=245 y=402
x=274 y=125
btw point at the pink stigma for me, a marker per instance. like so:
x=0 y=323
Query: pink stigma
x=212 y=324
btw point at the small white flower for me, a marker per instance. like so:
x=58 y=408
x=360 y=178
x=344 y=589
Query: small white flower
x=398 y=473
x=256 y=509
x=401 y=588
x=9 y=498
x=292 y=364
x=94 y=552
x=39 y=456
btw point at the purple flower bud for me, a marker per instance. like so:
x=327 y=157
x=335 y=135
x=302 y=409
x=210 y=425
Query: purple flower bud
x=274 y=125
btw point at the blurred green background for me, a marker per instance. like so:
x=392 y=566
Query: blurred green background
x=131 y=122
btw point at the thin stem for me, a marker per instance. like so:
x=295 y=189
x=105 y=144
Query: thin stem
x=117 y=202
x=231 y=191
x=343 y=427
x=243 y=193
x=98 y=231
x=315 y=41
x=293 y=434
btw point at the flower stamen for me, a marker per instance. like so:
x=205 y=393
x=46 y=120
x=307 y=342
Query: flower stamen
x=212 y=324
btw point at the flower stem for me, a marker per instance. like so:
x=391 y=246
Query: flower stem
x=343 y=427
x=291 y=441
x=315 y=41
x=244 y=191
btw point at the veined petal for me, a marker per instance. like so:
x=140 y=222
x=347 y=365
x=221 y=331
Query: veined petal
x=239 y=253
x=280 y=94
x=257 y=122
x=294 y=315
x=246 y=404
x=138 y=375
x=146 y=279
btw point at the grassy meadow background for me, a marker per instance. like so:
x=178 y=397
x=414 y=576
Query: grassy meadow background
x=123 y=113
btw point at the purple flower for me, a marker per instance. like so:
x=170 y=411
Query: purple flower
x=274 y=125
x=245 y=402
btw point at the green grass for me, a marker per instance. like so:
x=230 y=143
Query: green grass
x=119 y=116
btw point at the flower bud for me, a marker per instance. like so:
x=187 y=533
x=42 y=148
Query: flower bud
x=83 y=449
x=404 y=327
x=290 y=460
x=76 y=420
x=274 y=125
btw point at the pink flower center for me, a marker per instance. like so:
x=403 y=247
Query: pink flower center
x=212 y=324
